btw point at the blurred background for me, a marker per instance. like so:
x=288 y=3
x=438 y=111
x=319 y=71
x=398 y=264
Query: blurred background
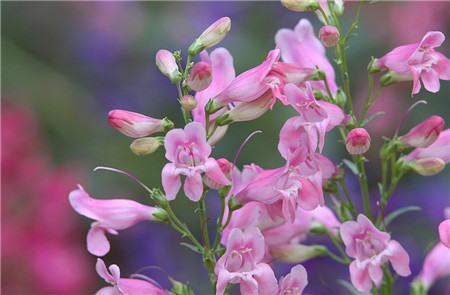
x=66 y=64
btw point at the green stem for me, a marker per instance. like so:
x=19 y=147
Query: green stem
x=204 y=221
x=219 y=224
x=336 y=243
x=362 y=178
x=347 y=196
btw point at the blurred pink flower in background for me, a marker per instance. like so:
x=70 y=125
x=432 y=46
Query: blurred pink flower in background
x=39 y=230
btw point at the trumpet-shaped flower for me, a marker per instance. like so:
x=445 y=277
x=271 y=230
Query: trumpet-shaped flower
x=302 y=48
x=188 y=151
x=440 y=148
x=122 y=286
x=419 y=62
x=436 y=265
x=241 y=264
x=295 y=282
x=423 y=134
x=371 y=248
x=110 y=215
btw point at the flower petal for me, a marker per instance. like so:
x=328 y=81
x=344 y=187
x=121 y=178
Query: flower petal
x=360 y=277
x=171 y=181
x=399 y=259
x=193 y=187
x=97 y=243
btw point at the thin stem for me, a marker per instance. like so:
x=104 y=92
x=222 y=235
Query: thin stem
x=362 y=178
x=336 y=243
x=204 y=221
x=219 y=224
x=355 y=21
x=347 y=195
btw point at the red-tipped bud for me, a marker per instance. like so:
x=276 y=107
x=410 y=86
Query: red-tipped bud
x=200 y=76
x=357 y=141
x=329 y=35
x=137 y=125
x=188 y=102
x=424 y=134
x=166 y=63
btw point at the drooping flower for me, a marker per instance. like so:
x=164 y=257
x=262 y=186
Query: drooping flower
x=302 y=48
x=295 y=282
x=188 y=151
x=357 y=141
x=137 y=125
x=110 y=216
x=241 y=264
x=435 y=266
x=371 y=248
x=418 y=62
x=121 y=286
x=444 y=232
x=424 y=133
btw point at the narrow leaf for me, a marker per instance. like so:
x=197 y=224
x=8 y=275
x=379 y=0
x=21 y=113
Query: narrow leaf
x=399 y=212
x=190 y=247
x=351 y=166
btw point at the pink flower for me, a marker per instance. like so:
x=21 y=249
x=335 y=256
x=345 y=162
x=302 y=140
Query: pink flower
x=110 y=215
x=440 y=148
x=329 y=35
x=295 y=282
x=357 y=141
x=423 y=134
x=241 y=264
x=124 y=286
x=137 y=125
x=304 y=103
x=300 y=47
x=419 y=61
x=436 y=265
x=252 y=84
x=200 y=76
x=189 y=153
x=444 y=232
x=371 y=248
x=166 y=63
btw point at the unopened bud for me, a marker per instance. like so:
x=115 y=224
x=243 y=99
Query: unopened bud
x=423 y=134
x=188 y=102
x=357 y=141
x=300 y=5
x=329 y=35
x=247 y=111
x=200 y=76
x=428 y=166
x=211 y=36
x=341 y=98
x=137 y=125
x=225 y=167
x=166 y=63
x=146 y=145
x=297 y=253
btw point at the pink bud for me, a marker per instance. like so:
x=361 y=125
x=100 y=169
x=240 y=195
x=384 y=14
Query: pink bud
x=137 y=125
x=357 y=141
x=166 y=63
x=329 y=35
x=428 y=166
x=225 y=166
x=423 y=134
x=444 y=232
x=211 y=36
x=188 y=102
x=200 y=76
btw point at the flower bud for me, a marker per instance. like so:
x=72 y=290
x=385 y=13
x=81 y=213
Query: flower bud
x=300 y=5
x=297 y=253
x=428 y=166
x=188 y=102
x=211 y=36
x=329 y=35
x=166 y=63
x=200 y=76
x=423 y=134
x=159 y=215
x=357 y=141
x=341 y=98
x=146 y=145
x=137 y=125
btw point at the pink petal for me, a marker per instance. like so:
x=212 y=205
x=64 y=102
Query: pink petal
x=103 y=272
x=174 y=138
x=264 y=276
x=305 y=33
x=432 y=39
x=195 y=133
x=376 y=274
x=430 y=80
x=215 y=173
x=223 y=277
x=360 y=277
x=171 y=181
x=348 y=231
x=311 y=195
x=97 y=243
x=193 y=187
x=399 y=259
x=444 y=232
x=442 y=66
x=416 y=81
x=297 y=278
x=249 y=286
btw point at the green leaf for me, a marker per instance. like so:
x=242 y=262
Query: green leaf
x=374 y=116
x=191 y=247
x=351 y=166
x=388 y=219
x=349 y=287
